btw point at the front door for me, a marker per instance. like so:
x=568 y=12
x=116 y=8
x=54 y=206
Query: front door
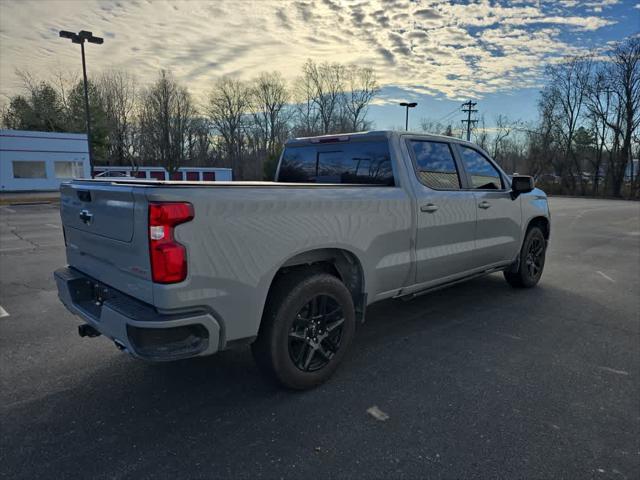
x=446 y=214
x=498 y=231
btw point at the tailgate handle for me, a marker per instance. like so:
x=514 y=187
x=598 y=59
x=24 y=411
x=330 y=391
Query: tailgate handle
x=84 y=195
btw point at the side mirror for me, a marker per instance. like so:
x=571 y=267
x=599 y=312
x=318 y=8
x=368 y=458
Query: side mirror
x=521 y=184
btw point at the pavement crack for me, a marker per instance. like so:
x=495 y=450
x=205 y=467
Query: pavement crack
x=30 y=242
x=27 y=286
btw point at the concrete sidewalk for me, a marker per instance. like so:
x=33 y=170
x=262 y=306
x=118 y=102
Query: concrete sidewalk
x=22 y=198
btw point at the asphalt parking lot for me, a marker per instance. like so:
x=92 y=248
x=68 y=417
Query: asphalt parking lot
x=478 y=380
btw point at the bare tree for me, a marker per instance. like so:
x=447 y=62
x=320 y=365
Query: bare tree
x=623 y=71
x=481 y=134
x=564 y=98
x=118 y=94
x=64 y=81
x=430 y=126
x=38 y=108
x=269 y=101
x=327 y=82
x=362 y=88
x=502 y=130
x=434 y=127
x=166 y=114
x=307 y=119
x=599 y=106
x=228 y=109
x=199 y=144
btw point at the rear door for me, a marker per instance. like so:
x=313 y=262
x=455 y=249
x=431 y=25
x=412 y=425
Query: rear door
x=446 y=213
x=105 y=227
x=498 y=232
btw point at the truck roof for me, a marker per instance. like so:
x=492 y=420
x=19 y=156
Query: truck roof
x=372 y=134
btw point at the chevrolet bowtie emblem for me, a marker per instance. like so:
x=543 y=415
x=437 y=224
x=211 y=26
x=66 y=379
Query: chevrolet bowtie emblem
x=86 y=216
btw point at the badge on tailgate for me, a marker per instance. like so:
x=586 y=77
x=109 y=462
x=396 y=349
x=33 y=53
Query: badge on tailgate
x=86 y=216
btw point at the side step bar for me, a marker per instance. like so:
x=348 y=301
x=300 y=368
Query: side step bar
x=409 y=296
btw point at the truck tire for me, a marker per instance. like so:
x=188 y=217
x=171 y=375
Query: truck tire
x=307 y=327
x=528 y=271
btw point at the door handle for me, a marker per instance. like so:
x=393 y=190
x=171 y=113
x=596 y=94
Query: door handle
x=429 y=207
x=484 y=205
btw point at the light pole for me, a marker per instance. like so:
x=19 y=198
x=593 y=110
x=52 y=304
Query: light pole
x=80 y=38
x=406 y=117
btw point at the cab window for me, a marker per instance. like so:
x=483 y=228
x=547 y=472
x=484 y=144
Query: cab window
x=482 y=174
x=435 y=165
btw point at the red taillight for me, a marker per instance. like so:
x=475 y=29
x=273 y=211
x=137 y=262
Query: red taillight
x=168 y=257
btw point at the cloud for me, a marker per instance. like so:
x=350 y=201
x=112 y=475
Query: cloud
x=284 y=19
x=436 y=47
x=427 y=13
x=387 y=55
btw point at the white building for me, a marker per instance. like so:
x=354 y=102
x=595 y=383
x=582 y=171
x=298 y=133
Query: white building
x=41 y=160
x=192 y=174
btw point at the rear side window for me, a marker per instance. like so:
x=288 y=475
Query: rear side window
x=357 y=162
x=299 y=165
x=483 y=175
x=435 y=165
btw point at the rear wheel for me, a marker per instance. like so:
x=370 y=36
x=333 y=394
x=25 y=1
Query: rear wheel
x=306 y=329
x=530 y=265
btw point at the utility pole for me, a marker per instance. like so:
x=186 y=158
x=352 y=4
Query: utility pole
x=469 y=110
x=81 y=37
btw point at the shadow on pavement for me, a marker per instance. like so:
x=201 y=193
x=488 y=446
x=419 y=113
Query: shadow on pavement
x=218 y=415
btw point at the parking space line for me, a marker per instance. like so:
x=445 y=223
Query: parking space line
x=7 y=209
x=604 y=275
x=613 y=370
x=3 y=312
x=18 y=249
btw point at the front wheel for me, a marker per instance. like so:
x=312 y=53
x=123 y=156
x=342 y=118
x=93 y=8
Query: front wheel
x=528 y=271
x=306 y=329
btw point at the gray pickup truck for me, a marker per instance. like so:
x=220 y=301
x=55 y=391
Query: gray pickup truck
x=170 y=270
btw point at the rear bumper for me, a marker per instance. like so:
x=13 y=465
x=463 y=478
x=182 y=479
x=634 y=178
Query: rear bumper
x=134 y=326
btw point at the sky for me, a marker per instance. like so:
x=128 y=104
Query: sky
x=436 y=53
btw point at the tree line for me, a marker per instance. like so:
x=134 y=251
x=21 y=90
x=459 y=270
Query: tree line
x=583 y=142
x=586 y=136
x=239 y=124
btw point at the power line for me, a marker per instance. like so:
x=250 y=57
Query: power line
x=452 y=112
x=469 y=110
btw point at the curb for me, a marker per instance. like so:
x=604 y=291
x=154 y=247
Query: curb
x=29 y=199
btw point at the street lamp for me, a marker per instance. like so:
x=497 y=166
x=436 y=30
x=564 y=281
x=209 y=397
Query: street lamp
x=406 y=118
x=80 y=38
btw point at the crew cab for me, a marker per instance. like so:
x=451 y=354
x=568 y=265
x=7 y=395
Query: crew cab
x=175 y=269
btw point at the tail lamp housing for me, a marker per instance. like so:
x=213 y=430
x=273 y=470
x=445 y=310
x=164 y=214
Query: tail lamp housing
x=168 y=257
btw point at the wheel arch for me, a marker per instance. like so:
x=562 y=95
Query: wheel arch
x=542 y=223
x=339 y=262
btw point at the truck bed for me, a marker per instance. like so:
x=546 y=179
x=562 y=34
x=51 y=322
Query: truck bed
x=234 y=184
x=241 y=234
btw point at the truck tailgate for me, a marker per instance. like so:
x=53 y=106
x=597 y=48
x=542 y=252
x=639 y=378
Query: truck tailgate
x=105 y=228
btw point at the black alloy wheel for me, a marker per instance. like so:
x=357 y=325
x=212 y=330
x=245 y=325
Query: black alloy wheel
x=316 y=333
x=307 y=326
x=526 y=272
x=535 y=257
